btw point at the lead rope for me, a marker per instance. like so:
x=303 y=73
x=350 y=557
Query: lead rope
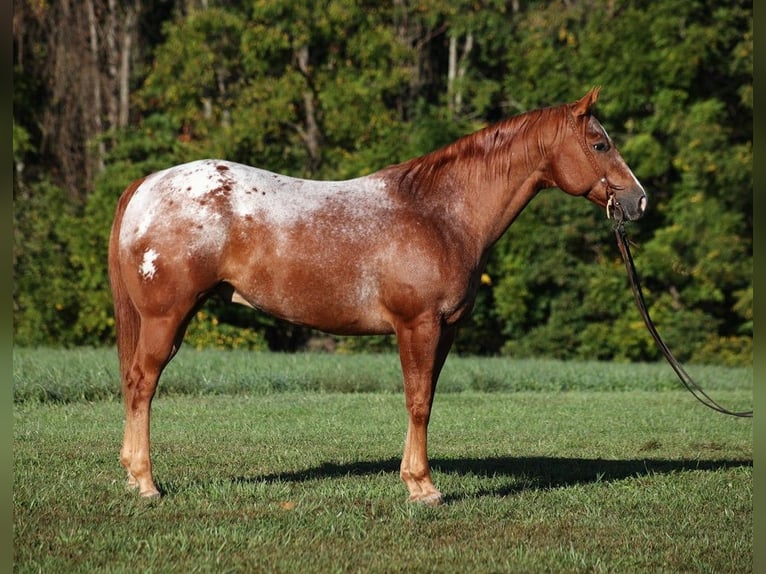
x=635 y=284
x=614 y=211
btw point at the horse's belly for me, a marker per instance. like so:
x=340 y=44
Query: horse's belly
x=325 y=315
x=331 y=302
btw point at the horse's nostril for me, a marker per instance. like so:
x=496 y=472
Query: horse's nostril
x=642 y=203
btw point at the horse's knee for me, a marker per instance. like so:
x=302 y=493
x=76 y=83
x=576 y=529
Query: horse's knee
x=420 y=412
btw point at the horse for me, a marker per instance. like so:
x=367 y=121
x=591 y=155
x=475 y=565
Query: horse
x=400 y=251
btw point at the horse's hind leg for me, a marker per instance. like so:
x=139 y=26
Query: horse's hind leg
x=158 y=340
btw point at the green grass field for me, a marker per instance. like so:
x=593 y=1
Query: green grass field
x=289 y=463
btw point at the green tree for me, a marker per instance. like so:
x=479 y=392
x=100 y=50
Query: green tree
x=344 y=88
x=44 y=303
x=682 y=112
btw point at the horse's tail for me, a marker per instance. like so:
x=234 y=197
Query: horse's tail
x=127 y=321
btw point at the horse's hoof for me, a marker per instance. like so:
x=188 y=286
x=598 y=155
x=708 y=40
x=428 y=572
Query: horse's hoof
x=433 y=499
x=149 y=494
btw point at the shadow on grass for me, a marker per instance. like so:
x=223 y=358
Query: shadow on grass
x=529 y=473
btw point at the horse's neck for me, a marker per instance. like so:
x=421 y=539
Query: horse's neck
x=484 y=180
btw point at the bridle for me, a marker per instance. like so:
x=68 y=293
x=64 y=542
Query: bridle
x=614 y=211
x=613 y=207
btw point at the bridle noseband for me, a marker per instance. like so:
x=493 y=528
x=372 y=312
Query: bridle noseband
x=613 y=208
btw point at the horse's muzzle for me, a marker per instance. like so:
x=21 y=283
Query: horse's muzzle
x=628 y=206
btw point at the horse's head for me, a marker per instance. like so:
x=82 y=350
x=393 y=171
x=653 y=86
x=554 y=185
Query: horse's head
x=587 y=163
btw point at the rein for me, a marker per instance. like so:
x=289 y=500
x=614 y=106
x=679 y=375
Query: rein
x=635 y=284
x=614 y=211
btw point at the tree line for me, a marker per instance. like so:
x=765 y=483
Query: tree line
x=106 y=91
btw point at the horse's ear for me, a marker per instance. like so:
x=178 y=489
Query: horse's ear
x=582 y=106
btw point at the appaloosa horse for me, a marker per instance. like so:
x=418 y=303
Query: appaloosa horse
x=399 y=251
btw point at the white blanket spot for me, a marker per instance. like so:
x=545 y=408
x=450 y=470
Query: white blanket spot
x=147 y=268
x=196 y=196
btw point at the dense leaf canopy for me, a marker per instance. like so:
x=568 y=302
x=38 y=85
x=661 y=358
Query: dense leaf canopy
x=337 y=89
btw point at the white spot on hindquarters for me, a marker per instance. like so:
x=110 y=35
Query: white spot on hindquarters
x=147 y=268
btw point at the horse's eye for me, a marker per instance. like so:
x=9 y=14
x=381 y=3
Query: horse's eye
x=601 y=146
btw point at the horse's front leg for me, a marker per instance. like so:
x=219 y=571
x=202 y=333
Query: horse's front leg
x=423 y=348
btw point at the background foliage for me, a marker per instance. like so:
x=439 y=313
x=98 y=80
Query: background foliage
x=337 y=89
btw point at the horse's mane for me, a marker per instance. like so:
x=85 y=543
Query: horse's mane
x=483 y=151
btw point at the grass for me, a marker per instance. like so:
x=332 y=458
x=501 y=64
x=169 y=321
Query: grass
x=61 y=375
x=279 y=478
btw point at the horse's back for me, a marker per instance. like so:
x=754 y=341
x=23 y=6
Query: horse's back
x=210 y=195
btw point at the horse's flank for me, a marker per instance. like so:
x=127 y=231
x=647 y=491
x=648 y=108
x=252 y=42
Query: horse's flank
x=262 y=233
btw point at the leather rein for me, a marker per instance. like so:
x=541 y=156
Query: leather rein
x=614 y=211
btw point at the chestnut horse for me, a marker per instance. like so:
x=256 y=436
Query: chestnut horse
x=399 y=251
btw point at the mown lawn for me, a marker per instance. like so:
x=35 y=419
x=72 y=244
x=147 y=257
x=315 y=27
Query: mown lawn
x=541 y=474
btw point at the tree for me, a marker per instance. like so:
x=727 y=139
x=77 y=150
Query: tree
x=73 y=112
x=109 y=90
x=44 y=304
x=669 y=108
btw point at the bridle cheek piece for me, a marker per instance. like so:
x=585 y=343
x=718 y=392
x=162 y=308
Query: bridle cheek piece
x=613 y=208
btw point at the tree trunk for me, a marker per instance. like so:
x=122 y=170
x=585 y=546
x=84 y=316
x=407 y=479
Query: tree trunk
x=309 y=132
x=451 y=72
x=111 y=31
x=128 y=31
x=93 y=76
x=456 y=71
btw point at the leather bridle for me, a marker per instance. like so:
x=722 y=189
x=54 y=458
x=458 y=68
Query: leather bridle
x=613 y=207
